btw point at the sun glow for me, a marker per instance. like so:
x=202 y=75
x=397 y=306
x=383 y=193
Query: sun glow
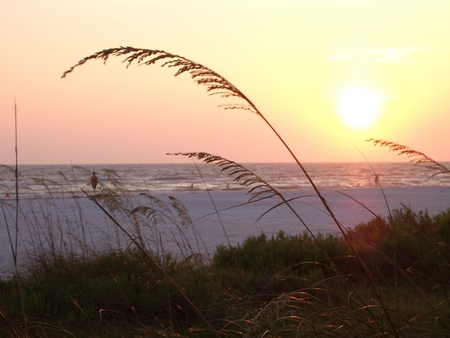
x=359 y=107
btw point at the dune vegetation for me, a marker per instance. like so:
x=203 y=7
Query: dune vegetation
x=384 y=278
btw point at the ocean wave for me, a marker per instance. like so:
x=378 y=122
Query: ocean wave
x=182 y=177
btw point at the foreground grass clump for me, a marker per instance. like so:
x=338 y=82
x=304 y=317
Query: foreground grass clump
x=273 y=286
x=415 y=244
x=117 y=288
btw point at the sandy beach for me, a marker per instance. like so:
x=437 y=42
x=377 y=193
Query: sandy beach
x=68 y=221
x=351 y=206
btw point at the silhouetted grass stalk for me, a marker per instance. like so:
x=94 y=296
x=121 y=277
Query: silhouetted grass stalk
x=15 y=251
x=150 y=258
x=415 y=157
x=218 y=85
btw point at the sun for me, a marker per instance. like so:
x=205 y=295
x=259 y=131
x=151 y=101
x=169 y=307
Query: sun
x=359 y=107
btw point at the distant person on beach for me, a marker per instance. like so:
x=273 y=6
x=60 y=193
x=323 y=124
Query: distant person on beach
x=94 y=180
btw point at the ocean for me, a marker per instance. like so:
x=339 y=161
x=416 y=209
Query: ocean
x=55 y=213
x=182 y=177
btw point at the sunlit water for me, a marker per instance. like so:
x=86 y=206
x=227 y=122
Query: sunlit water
x=55 y=212
x=180 y=177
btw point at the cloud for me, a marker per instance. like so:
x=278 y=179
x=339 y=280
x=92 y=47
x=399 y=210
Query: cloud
x=400 y=55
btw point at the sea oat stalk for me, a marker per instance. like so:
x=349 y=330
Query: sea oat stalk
x=414 y=156
x=217 y=85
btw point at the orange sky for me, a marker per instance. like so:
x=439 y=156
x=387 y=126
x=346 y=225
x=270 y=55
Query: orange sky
x=293 y=59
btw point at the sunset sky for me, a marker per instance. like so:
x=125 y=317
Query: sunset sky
x=327 y=74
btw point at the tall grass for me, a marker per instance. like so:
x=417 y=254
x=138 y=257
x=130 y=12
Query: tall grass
x=387 y=277
x=418 y=158
x=216 y=85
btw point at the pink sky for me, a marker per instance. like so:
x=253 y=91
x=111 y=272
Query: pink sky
x=294 y=59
